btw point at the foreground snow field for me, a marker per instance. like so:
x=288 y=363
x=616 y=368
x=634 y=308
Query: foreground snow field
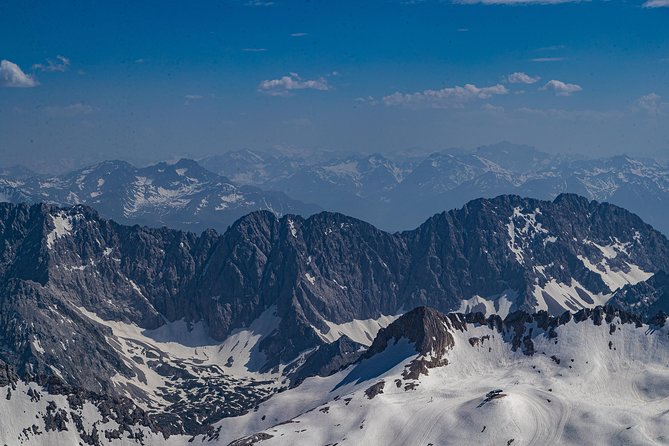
x=584 y=384
x=596 y=394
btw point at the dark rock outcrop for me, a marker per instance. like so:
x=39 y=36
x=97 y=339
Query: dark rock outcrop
x=646 y=298
x=328 y=359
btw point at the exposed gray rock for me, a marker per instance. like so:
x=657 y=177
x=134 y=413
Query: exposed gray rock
x=59 y=265
x=646 y=298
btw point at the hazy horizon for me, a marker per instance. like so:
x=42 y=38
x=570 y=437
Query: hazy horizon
x=64 y=165
x=95 y=82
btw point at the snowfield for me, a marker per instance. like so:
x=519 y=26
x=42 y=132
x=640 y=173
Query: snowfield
x=596 y=395
x=590 y=384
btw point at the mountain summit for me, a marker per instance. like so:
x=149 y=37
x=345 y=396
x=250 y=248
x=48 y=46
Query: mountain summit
x=165 y=318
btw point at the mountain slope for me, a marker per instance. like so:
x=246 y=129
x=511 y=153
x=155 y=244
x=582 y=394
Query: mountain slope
x=168 y=318
x=646 y=298
x=598 y=377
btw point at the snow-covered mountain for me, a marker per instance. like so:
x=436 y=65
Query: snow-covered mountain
x=137 y=334
x=596 y=378
x=599 y=377
x=392 y=192
x=182 y=195
x=400 y=192
x=345 y=183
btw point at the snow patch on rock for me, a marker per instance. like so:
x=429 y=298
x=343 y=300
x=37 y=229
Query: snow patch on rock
x=361 y=331
x=62 y=227
x=500 y=304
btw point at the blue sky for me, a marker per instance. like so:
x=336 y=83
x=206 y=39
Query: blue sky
x=151 y=80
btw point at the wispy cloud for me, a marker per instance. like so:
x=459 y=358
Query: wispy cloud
x=550 y=48
x=286 y=84
x=189 y=98
x=516 y=2
x=60 y=64
x=11 y=75
x=68 y=111
x=548 y=59
x=449 y=97
x=573 y=115
x=259 y=3
x=492 y=108
x=561 y=88
x=656 y=4
x=651 y=104
x=521 y=78
x=370 y=100
x=299 y=34
x=254 y=50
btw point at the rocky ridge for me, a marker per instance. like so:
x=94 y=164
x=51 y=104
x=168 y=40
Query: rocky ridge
x=152 y=314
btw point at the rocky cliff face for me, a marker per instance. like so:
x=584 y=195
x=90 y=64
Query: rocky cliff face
x=645 y=298
x=78 y=291
x=432 y=333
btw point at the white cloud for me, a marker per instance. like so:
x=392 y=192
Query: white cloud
x=521 y=78
x=11 y=75
x=450 y=97
x=516 y=2
x=259 y=3
x=299 y=34
x=651 y=104
x=284 y=85
x=70 y=110
x=191 y=98
x=370 y=100
x=60 y=64
x=254 y=50
x=656 y=4
x=492 y=108
x=561 y=88
x=548 y=59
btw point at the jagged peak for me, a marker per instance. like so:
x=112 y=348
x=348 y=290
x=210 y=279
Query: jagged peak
x=328 y=217
x=566 y=197
x=45 y=209
x=250 y=225
x=184 y=166
x=109 y=166
x=431 y=331
x=428 y=329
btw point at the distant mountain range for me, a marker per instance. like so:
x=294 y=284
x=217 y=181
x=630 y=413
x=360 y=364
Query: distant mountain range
x=256 y=318
x=399 y=192
x=142 y=333
x=180 y=195
x=393 y=193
